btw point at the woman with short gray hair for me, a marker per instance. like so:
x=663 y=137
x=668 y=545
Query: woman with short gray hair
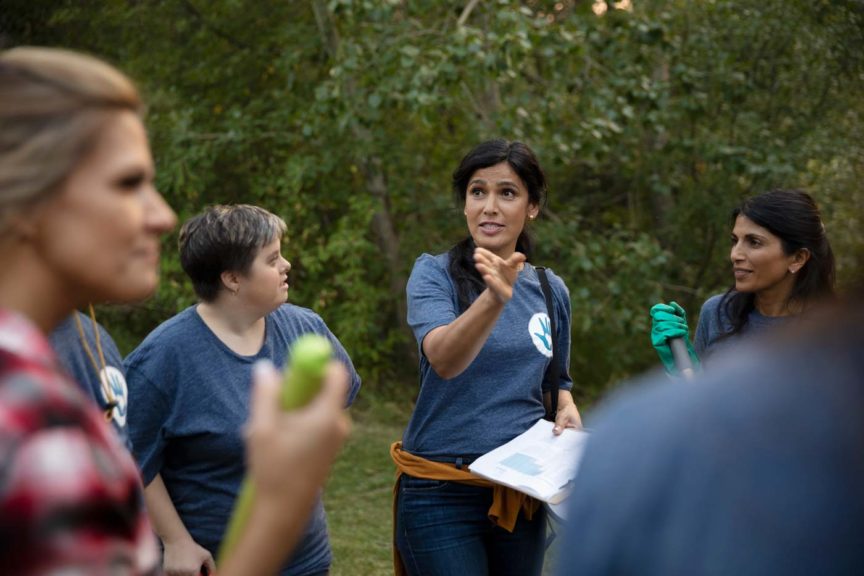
x=189 y=382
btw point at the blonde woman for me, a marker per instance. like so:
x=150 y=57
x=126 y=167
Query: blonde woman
x=81 y=221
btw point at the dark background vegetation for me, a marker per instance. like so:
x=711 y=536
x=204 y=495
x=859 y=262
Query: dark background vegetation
x=346 y=117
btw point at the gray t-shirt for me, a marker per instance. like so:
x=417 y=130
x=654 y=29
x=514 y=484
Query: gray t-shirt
x=189 y=401
x=499 y=395
x=711 y=327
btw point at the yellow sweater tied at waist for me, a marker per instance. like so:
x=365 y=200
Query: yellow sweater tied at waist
x=506 y=502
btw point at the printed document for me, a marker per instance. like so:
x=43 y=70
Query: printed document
x=536 y=462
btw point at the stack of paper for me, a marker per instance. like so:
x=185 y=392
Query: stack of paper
x=536 y=462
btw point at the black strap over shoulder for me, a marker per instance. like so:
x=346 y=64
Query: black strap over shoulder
x=552 y=376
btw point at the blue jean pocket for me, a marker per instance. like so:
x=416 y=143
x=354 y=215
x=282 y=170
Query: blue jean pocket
x=413 y=484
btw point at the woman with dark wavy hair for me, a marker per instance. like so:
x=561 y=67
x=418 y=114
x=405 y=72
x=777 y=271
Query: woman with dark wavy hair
x=485 y=338
x=782 y=264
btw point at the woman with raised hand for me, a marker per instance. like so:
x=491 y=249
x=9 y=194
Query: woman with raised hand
x=80 y=221
x=484 y=332
x=782 y=265
x=189 y=384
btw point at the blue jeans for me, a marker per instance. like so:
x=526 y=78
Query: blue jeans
x=443 y=529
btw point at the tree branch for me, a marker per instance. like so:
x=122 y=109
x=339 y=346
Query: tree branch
x=326 y=28
x=466 y=12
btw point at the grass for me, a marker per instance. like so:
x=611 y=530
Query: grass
x=359 y=495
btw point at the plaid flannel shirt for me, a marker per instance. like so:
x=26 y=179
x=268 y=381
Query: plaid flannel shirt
x=70 y=494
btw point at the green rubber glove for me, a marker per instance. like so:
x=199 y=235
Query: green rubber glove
x=670 y=321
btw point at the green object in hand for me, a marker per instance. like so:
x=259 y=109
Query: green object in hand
x=310 y=355
x=670 y=321
x=309 y=358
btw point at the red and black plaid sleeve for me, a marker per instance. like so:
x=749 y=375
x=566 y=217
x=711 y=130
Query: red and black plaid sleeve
x=70 y=495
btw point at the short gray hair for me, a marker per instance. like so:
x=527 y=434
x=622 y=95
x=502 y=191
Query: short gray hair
x=224 y=238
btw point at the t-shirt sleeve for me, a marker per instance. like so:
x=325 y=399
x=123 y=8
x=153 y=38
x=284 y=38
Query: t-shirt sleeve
x=147 y=415
x=341 y=354
x=430 y=298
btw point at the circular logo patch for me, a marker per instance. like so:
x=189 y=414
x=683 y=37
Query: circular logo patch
x=117 y=383
x=540 y=329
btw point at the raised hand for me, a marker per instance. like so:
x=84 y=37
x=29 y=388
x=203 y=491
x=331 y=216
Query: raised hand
x=498 y=273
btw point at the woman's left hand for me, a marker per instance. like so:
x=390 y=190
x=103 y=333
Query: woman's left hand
x=567 y=417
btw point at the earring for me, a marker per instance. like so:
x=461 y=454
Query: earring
x=531 y=216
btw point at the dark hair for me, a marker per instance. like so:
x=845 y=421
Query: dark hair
x=224 y=238
x=792 y=216
x=522 y=160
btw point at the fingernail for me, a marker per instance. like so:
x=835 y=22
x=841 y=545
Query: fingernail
x=262 y=367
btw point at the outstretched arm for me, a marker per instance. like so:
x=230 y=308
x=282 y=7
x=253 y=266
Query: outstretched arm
x=451 y=348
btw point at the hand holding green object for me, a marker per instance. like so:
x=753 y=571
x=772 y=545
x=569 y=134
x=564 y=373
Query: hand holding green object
x=669 y=321
x=310 y=355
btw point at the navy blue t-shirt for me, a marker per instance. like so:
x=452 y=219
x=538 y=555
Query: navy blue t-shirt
x=499 y=395
x=711 y=327
x=70 y=351
x=190 y=395
x=756 y=469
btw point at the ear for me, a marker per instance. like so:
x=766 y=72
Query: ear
x=24 y=225
x=533 y=211
x=231 y=281
x=799 y=259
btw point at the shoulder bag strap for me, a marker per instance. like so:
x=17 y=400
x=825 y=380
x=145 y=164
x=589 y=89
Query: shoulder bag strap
x=553 y=372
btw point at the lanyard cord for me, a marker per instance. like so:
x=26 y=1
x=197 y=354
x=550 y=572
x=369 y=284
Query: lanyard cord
x=100 y=373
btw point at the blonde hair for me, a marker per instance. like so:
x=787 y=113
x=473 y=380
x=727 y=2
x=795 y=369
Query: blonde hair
x=53 y=105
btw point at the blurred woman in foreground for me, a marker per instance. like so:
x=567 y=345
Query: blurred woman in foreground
x=80 y=221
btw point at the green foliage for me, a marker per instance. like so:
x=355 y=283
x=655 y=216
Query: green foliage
x=346 y=118
x=614 y=279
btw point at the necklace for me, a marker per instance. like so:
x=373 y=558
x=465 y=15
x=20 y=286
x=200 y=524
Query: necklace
x=100 y=367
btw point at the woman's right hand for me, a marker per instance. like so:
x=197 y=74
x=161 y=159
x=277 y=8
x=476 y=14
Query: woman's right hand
x=186 y=558
x=669 y=321
x=451 y=348
x=499 y=274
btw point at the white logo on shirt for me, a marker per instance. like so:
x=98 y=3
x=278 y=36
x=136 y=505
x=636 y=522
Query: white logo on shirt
x=540 y=329
x=117 y=383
